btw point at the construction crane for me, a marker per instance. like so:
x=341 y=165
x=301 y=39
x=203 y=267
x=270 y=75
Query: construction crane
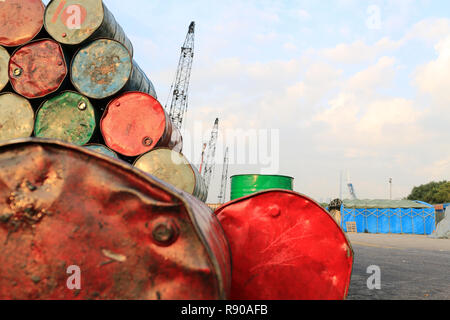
x=208 y=165
x=223 y=186
x=180 y=87
x=351 y=189
x=203 y=157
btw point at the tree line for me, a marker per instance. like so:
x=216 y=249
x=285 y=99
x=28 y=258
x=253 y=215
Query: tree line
x=433 y=192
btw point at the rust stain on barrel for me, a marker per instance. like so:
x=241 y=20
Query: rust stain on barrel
x=101 y=68
x=37 y=69
x=20 y=21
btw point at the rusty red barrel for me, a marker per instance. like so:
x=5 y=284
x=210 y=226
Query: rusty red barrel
x=104 y=67
x=75 y=21
x=4 y=61
x=124 y=234
x=135 y=123
x=16 y=117
x=20 y=21
x=285 y=246
x=38 y=68
x=173 y=167
x=68 y=116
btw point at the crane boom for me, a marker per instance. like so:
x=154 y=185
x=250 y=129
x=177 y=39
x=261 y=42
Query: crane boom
x=223 y=187
x=180 y=87
x=208 y=167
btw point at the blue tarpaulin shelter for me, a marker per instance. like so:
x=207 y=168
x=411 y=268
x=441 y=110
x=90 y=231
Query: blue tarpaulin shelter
x=389 y=216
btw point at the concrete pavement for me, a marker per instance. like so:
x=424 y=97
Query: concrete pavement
x=412 y=267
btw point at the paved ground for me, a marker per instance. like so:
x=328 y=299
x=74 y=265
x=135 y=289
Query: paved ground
x=412 y=267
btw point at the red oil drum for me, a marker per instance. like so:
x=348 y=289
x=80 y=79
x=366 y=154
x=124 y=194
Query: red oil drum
x=135 y=123
x=20 y=21
x=71 y=212
x=37 y=69
x=285 y=246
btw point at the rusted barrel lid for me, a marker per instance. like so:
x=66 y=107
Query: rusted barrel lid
x=37 y=69
x=173 y=167
x=4 y=61
x=20 y=21
x=285 y=246
x=101 y=68
x=72 y=213
x=101 y=149
x=133 y=123
x=16 y=117
x=68 y=117
x=75 y=21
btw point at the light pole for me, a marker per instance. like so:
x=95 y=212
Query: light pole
x=390 y=188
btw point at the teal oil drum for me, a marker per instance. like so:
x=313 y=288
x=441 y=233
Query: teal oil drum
x=102 y=149
x=105 y=67
x=244 y=185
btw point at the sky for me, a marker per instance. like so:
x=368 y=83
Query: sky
x=351 y=88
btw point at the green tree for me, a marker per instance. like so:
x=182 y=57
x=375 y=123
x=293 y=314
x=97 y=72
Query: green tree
x=433 y=192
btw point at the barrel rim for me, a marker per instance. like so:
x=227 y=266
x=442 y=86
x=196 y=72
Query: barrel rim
x=63 y=56
x=68 y=43
x=178 y=195
x=34 y=36
x=117 y=92
x=262 y=175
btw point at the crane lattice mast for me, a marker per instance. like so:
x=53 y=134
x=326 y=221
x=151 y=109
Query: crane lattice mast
x=180 y=87
x=351 y=188
x=208 y=167
x=223 y=187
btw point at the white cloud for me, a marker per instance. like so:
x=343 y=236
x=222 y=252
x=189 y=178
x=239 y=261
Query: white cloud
x=430 y=30
x=433 y=78
x=359 y=52
x=302 y=14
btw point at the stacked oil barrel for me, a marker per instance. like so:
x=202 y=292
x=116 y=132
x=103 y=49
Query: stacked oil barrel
x=76 y=111
x=67 y=73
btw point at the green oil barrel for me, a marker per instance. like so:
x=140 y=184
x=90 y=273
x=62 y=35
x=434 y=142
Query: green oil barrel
x=244 y=185
x=69 y=117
